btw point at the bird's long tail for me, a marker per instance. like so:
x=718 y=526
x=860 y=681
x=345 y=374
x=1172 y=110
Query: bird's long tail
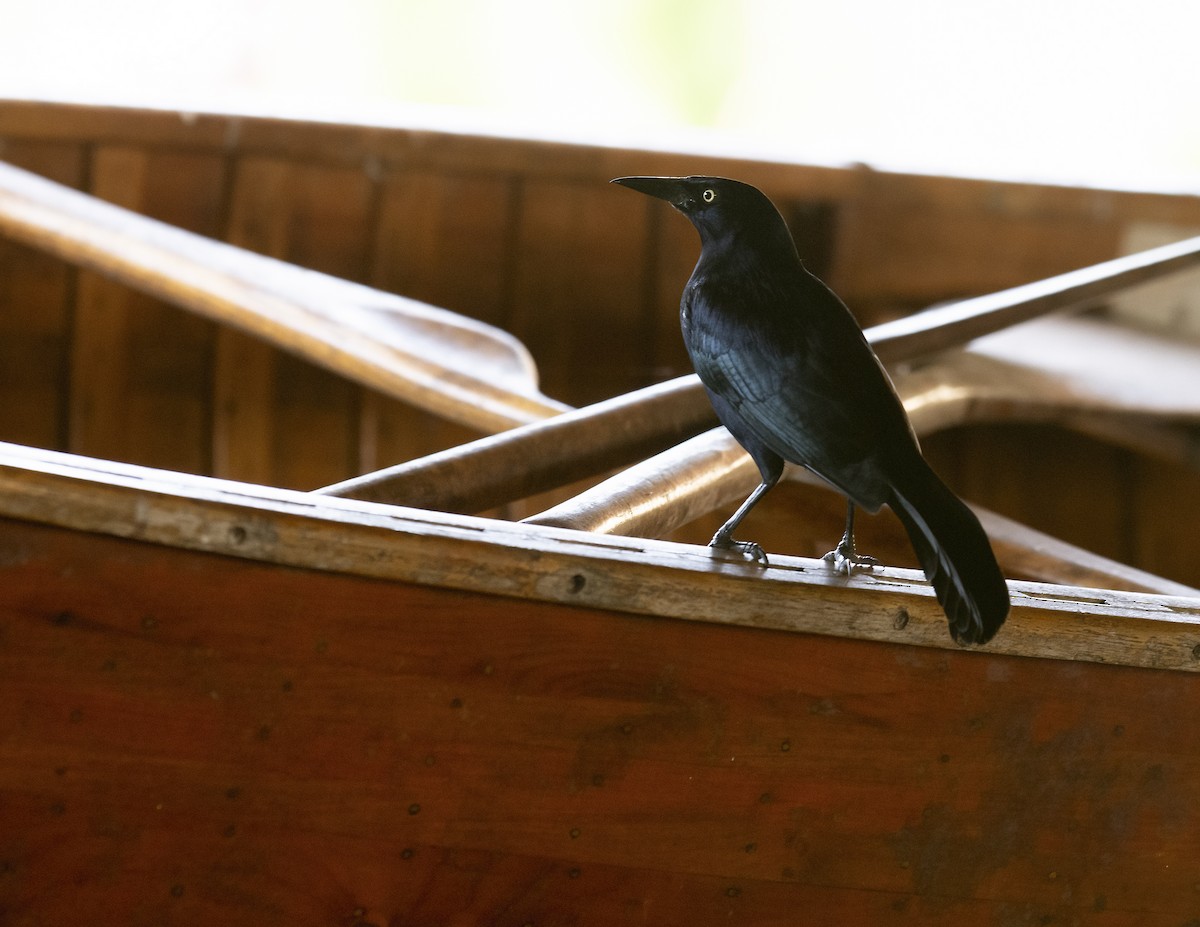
x=954 y=553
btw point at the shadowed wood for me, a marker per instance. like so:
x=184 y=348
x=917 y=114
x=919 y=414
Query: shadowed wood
x=1035 y=372
x=534 y=562
x=203 y=737
x=36 y=302
x=430 y=224
x=135 y=362
x=271 y=422
x=1024 y=551
x=1049 y=383
x=578 y=291
x=382 y=340
x=227 y=704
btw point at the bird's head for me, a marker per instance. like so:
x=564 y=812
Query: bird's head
x=720 y=208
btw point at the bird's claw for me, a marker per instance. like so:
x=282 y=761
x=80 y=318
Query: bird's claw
x=845 y=559
x=748 y=549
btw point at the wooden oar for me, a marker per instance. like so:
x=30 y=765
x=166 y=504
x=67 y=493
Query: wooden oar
x=456 y=367
x=453 y=366
x=1001 y=377
x=617 y=432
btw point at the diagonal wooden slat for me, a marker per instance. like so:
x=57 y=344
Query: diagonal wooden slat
x=456 y=367
x=614 y=433
x=997 y=378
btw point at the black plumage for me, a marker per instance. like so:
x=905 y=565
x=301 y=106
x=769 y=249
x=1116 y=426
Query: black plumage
x=792 y=377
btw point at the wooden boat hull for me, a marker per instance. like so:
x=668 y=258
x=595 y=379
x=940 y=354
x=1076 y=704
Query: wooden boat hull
x=220 y=730
x=558 y=258
x=226 y=703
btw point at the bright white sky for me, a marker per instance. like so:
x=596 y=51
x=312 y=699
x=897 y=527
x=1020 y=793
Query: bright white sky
x=1082 y=92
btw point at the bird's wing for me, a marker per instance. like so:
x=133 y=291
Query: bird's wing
x=793 y=364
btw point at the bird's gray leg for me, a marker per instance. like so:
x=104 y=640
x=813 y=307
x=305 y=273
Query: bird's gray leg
x=844 y=558
x=723 y=539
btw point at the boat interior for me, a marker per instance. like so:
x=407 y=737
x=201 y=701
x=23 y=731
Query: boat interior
x=383 y=419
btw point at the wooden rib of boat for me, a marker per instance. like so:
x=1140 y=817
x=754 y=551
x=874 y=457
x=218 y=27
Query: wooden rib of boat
x=229 y=698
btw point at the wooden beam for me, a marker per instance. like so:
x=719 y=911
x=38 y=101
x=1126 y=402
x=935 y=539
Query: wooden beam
x=614 y=433
x=1031 y=373
x=459 y=368
x=570 y=567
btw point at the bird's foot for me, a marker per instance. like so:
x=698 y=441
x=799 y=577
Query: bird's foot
x=747 y=549
x=845 y=559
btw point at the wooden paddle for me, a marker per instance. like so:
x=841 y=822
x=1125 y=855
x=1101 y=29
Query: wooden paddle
x=541 y=456
x=1067 y=371
x=476 y=374
x=453 y=366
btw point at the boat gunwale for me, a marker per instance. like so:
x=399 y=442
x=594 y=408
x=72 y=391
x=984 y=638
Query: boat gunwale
x=386 y=138
x=622 y=574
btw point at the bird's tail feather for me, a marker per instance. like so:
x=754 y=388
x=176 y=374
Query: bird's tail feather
x=954 y=553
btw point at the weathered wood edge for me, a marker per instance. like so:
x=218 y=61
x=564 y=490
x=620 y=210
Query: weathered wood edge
x=555 y=565
x=454 y=366
x=416 y=137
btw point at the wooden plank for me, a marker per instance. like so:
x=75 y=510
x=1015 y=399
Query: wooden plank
x=276 y=410
x=243 y=426
x=453 y=146
x=458 y=148
x=676 y=248
x=139 y=371
x=444 y=239
x=35 y=309
x=571 y=567
x=456 y=366
x=284 y=744
x=579 y=294
x=1164 y=518
x=890 y=257
x=1053 y=479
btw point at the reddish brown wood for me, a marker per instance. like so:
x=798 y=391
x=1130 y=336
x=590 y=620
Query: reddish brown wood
x=203 y=740
x=339 y=197
x=274 y=412
x=579 y=300
x=36 y=294
x=137 y=363
x=443 y=239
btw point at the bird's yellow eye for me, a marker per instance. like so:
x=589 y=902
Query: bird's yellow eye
x=709 y=195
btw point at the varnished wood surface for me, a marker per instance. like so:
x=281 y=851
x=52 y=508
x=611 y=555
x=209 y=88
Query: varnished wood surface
x=570 y=567
x=439 y=361
x=89 y=366
x=196 y=739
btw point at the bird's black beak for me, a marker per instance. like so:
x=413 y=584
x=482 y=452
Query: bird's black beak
x=671 y=189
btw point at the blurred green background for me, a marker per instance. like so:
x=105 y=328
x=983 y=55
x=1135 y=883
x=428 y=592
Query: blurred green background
x=1058 y=90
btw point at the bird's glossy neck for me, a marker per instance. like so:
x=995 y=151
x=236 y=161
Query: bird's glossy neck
x=748 y=243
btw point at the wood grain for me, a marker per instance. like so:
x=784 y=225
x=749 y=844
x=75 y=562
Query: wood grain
x=135 y=362
x=579 y=292
x=36 y=299
x=570 y=567
x=444 y=239
x=437 y=171
x=319 y=221
x=288 y=745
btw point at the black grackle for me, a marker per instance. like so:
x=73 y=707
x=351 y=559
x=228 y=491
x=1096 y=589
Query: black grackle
x=792 y=377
